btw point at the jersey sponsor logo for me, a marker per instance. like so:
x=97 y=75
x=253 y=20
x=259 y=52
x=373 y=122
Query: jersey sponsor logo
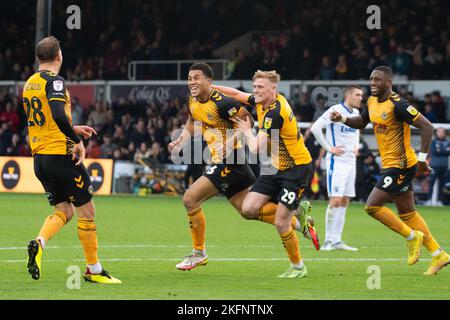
x=97 y=175
x=267 y=123
x=345 y=129
x=58 y=85
x=10 y=174
x=413 y=111
x=232 y=111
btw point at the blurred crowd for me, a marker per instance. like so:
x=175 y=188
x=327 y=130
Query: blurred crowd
x=304 y=39
x=140 y=132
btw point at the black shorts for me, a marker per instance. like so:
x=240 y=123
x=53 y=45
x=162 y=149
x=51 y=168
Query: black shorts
x=230 y=179
x=62 y=180
x=396 y=181
x=286 y=186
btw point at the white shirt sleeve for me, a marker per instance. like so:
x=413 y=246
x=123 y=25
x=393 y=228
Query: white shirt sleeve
x=316 y=130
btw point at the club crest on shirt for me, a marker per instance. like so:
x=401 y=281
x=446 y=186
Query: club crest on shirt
x=267 y=123
x=413 y=111
x=384 y=116
x=210 y=117
x=58 y=85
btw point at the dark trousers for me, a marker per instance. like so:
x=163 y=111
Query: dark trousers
x=437 y=173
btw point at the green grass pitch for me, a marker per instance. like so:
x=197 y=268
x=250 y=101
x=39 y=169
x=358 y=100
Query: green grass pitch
x=142 y=238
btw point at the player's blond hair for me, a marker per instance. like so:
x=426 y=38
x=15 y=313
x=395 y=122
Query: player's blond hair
x=272 y=76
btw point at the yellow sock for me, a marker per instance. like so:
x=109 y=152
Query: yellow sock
x=387 y=217
x=267 y=214
x=197 y=223
x=52 y=225
x=290 y=243
x=415 y=221
x=87 y=233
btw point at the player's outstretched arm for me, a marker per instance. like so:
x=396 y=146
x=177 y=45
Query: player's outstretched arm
x=188 y=131
x=358 y=122
x=236 y=94
x=426 y=135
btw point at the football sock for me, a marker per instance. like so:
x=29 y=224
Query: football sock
x=52 y=225
x=298 y=265
x=267 y=214
x=330 y=217
x=435 y=253
x=339 y=224
x=387 y=217
x=95 y=268
x=87 y=233
x=197 y=223
x=290 y=243
x=415 y=221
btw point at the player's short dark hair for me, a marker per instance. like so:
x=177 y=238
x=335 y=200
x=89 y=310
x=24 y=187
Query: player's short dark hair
x=350 y=88
x=47 y=49
x=203 y=67
x=386 y=70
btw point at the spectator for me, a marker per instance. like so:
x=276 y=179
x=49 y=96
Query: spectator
x=97 y=118
x=439 y=106
x=320 y=108
x=143 y=153
x=93 y=150
x=304 y=108
x=77 y=112
x=342 y=69
x=430 y=114
x=14 y=148
x=5 y=137
x=440 y=151
x=107 y=147
x=11 y=116
x=157 y=154
x=400 y=61
x=326 y=71
x=139 y=134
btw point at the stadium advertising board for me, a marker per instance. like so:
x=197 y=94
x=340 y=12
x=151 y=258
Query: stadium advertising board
x=17 y=175
x=147 y=93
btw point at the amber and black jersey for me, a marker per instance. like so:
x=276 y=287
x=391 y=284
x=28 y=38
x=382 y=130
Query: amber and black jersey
x=279 y=123
x=391 y=121
x=44 y=134
x=214 y=115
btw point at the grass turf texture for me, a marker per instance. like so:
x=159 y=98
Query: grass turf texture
x=142 y=238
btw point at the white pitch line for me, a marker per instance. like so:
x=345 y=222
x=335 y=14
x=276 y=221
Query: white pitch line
x=189 y=246
x=219 y=259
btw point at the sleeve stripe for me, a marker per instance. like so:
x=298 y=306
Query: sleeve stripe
x=415 y=118
x=59 y=99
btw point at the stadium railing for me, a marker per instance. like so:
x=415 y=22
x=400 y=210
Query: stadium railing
x=174 y=69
